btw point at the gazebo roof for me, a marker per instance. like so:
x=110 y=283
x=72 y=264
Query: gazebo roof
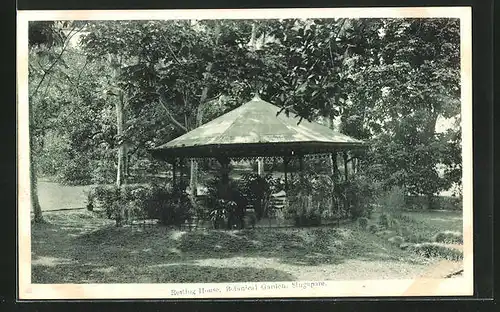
x=254 y=129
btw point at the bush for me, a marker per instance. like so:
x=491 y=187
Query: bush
x=75 y=172
x=90 y=200
x=174 y=205
x=106 y=196
x=384 y=221
x=103 y=171
x=363 y=223
x=416 y=202
x=360 y=192
x=228 y=208
x=303 y=212
x=449 y=237
x=170 y=206
x=312 y=198
x=257 y=191
x=393 y=202
x=431 y=250
x=250 y=219
x=373 y=228
x=396 y=240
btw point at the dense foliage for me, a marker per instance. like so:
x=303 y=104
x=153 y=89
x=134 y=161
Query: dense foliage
x=388 y=81
x=132 y=202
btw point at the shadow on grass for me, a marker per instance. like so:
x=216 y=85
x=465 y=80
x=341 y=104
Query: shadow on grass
x=94 y=250
x=175 y=273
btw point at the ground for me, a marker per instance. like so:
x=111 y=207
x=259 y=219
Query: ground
x=81 y=247
x=78 y=246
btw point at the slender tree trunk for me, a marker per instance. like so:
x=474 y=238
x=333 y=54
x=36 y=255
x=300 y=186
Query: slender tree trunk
x=35 y=203
x=253 y=37
x=121 y=147
x=193 y=174
x=121 y=160
x=331 y=159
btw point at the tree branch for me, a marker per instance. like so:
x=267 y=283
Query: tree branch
x=65 y=46
x=162 y=100
x=171 y=50
x=335 y=37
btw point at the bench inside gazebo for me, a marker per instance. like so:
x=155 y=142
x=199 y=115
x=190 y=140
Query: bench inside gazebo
x=257 y=131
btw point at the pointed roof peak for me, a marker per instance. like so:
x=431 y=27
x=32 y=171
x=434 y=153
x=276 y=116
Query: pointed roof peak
x=256 y=97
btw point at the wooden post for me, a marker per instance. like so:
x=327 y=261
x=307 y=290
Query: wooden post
x=285 y=167
x=193 y=182
x=333 y=163
x=346 y=202
x=174 y=167
x=224 y=162
x=260 y=166
x=346 y=173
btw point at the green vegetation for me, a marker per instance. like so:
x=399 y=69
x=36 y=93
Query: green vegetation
x=125 y=86
x=96 y=107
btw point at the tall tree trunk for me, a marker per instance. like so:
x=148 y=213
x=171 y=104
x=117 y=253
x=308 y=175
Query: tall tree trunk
x=120 y=218
x=430 y=132
x=193 y=173
x=121 y=146
x=253 y=37
x=330 y=159
x=35 y=203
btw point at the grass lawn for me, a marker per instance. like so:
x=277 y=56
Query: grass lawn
x=439 y=220
x=81 y=247
x=422 y=226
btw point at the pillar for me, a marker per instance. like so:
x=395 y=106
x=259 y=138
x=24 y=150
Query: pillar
x=224 y=162
x=260 y=166
x=285 y=169
x=346 y=172
x=174 y=167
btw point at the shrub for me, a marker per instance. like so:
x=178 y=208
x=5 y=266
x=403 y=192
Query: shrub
x=90 y=200
x=397 y=240
x=311 y=198
x=174 y=205
x=106 y=196
x=363 y=223
x=431 y=250
x=360 y=192
x=250 y=218
x=171 y=206
x=373 y=228
x=303 y=212
x=449 y=237
x=229 y=206
x=257 y=191
x=384 y=221
x=416 y=238
x=75 y=172
x=393 y=201
x=395 y=224
x=103 y=171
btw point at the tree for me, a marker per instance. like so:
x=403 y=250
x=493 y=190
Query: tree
x=47 y=42
x=179 y=66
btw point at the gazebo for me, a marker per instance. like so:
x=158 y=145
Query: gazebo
x=256 y=130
